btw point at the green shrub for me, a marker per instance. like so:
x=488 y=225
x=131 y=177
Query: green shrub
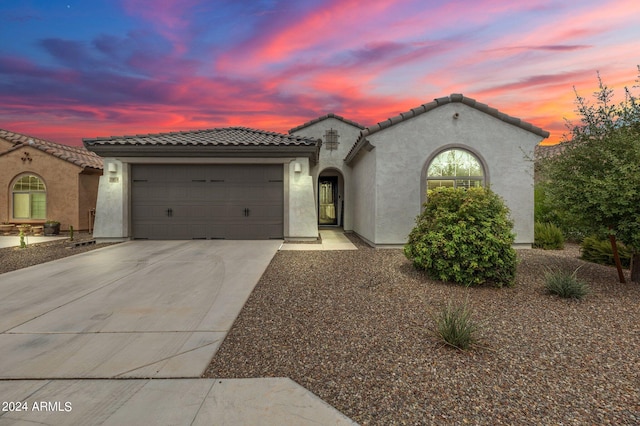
x=455 y=326
x=565 y=284
x=599 y=250
x=546 y=212
x=464 y=236
x=548 y=236
x=543 y=210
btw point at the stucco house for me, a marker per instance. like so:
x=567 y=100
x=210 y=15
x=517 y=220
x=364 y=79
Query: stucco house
x=43 y=180
x=240 y=183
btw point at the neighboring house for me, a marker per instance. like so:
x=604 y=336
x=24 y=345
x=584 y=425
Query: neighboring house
x=43 y=180
x=240 y=183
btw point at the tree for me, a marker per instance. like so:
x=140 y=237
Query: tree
x=595 y=181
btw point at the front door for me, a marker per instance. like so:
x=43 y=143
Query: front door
x=328 y=200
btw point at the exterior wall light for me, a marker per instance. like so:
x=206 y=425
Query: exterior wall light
x=297 y=168
x=112 y=168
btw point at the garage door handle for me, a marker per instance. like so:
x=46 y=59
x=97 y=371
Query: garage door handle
x=170 y=212
x=246 y=212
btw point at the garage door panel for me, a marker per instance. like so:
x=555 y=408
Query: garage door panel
x=198 y=231
x=172 y=232
x=150 y=211
x=200 y=212
x=254 y=232
x=218 y=212
x=197 y=191
x=207 y=201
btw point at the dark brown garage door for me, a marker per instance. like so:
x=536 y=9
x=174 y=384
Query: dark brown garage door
x=176 y=202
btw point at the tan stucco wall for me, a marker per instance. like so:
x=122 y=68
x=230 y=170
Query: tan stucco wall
x=61 y=179
x=87 y=197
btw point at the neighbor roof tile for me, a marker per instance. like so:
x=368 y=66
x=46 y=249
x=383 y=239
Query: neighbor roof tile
x=77 y=155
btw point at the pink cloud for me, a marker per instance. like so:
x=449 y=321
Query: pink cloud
x=168 y=17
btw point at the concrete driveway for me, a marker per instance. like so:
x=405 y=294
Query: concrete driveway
x=153 y=312
x=140 y=309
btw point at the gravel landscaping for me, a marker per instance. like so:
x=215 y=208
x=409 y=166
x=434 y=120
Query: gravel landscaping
x=13 y=258
x=353 y=327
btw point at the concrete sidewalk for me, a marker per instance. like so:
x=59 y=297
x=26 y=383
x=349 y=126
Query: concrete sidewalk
x=330 y=239
x=272 y=401
x=136 y=311
x=14 y=240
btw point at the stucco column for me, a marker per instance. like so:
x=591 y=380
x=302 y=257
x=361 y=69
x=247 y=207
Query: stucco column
x=112 y=209
x=303 y=220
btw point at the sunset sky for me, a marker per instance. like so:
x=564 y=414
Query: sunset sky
x=74 y=69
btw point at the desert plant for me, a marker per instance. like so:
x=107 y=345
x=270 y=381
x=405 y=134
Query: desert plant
x=598 y=250
x=23 y=244
x=455 y=326
x=565 y=284
x=548 y=236
x=71 y=232
x=464 y=236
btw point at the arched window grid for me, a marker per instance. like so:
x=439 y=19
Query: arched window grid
x=456 y=168
x=29 y=197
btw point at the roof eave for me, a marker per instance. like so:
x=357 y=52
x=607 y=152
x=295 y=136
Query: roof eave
x=108 y=150
x=326 y=117
x=453 y=98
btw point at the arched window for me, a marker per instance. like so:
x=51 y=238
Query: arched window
x=455 y=167
x=29 y=198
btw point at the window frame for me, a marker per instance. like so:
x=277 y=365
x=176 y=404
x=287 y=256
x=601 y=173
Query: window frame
x=30 y=193
x=484 y=180
x=332 y=134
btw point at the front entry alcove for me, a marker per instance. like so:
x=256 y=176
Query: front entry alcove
x=330 y=198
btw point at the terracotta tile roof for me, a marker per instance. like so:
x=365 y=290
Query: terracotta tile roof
x=77 y=155
x=455 y=97
x=229 y=136
x=324 y=117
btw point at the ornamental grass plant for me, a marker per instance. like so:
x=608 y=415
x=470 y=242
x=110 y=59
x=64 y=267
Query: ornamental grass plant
x=455 y=326
x=565 y=284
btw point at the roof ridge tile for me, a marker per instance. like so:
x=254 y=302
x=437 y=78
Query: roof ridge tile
x=324 y=117
x=226 y=136
x=437 y=102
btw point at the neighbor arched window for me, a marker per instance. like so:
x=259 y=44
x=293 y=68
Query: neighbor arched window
x=29 y=198
x=455 y=167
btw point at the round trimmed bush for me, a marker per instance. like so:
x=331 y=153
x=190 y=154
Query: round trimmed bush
x=464 y=236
